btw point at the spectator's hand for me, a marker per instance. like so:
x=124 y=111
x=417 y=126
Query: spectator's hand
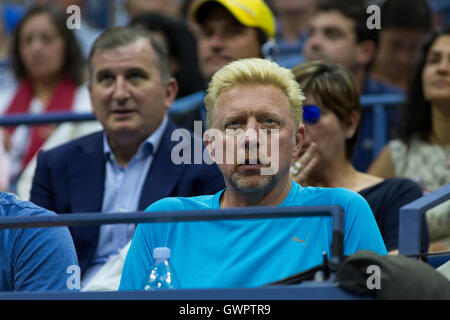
x=7 y=144
x=303 y=163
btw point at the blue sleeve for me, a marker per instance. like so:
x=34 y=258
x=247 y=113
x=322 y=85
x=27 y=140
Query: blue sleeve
x=138 y=261
x=361 y=229
x=45 y=259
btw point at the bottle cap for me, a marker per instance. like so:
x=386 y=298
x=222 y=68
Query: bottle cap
x=161 y=253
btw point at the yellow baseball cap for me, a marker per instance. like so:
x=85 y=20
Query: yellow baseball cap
x=250 y=13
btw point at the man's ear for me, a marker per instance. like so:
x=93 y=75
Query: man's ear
x=299 y=139
x=365 y=52
x=171 y=92
x=89 y=87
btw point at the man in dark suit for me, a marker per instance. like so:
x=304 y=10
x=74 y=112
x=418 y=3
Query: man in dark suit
x=132 y=162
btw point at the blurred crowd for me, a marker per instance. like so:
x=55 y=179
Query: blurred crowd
x=46 y=67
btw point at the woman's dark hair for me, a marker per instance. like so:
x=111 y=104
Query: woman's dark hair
x=415 y=113
x=182 y=48
x=73 y=59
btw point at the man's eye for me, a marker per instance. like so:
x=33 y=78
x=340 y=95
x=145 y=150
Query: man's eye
x=333 y=34
x=205 y=32
x=234 y=30
x=232 y=123
x=269 y=122
x=105 y=78
x=135 y=76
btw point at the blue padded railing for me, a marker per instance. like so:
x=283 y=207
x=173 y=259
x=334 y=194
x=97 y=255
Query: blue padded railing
x=44 y=118
x=84 y=219
x=187 y=102
x=378 y=102
x=411 y=219
x=307 y=290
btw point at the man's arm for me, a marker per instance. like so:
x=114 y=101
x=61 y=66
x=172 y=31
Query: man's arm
x=41 y=193
x=45 y=259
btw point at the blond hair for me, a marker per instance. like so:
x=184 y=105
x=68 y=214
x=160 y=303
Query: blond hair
x=250 y=72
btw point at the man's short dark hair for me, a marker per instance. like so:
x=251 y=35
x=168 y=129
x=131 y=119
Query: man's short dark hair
x=354 y=10
x=407 y=14
x=121 y=36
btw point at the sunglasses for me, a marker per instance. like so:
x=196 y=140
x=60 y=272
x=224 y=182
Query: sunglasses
x=311 y=113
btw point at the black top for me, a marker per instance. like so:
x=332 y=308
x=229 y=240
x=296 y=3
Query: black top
x=385 y=199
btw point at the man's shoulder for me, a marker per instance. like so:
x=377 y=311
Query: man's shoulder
x=350 y=201
x=11 y=205
x=90 y=140
x=328 y=195
x=203 y=202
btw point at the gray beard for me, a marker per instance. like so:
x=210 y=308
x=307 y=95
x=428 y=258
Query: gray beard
x=263 y=186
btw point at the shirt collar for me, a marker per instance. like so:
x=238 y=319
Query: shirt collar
x=148 y=147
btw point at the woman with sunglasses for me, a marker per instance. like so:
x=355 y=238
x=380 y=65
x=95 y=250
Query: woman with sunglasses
x=332 y=111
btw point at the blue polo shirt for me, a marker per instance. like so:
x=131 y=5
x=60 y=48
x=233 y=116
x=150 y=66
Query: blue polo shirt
x=249 y=253
x=35 y=259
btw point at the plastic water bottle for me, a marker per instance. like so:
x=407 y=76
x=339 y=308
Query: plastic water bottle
x=162 y=274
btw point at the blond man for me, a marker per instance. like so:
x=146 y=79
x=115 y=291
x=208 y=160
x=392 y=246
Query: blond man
x=248 y=102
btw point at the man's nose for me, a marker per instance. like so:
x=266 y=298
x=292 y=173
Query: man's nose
x=314 y=42
x=121 y=90
x=216 y=41
x=251 y=134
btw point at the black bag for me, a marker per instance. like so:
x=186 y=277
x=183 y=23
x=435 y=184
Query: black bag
x=400 y=277
x=378 y=276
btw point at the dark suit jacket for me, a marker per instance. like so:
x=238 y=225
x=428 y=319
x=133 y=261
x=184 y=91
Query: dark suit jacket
x=70 y=179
